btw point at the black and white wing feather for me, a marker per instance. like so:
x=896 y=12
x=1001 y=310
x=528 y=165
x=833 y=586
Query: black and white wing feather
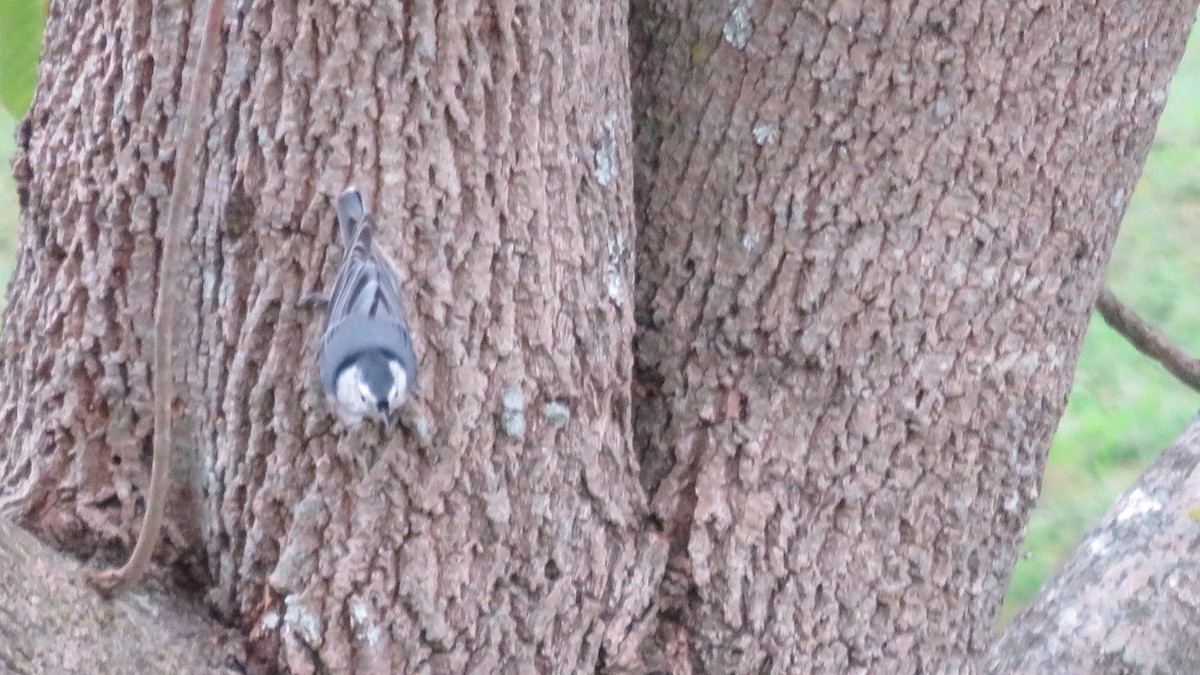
x=366 y=308
x=367 y=285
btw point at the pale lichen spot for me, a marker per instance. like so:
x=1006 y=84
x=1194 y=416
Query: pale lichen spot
x=604 y=152
x=358 y=612
x=360 y=619
x=614 y=280
x=498 y=507
x=1012 y=501
x=301 y=620
x=942 y=108
x=557 y=414
x=1099 y=544
x=1068 y=621
x=765 y=133
x=1138 y=504
x=738 y=29
x=1118 y=198
x=512 y=418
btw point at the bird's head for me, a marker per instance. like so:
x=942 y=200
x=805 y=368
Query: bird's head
x=371 y=383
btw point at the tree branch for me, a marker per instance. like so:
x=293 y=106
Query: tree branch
x=169 y=298
x=1147 y=340
x=50 y=623
x=1128 y=598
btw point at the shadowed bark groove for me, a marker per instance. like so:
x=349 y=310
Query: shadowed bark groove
x=870 y=236
x=507 y=528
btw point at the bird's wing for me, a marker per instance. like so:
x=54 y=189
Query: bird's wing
x=351 y=210
x=367 y=283
x=366 y=286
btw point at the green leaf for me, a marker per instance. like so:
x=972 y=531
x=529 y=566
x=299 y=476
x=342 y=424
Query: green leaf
x=21 y=23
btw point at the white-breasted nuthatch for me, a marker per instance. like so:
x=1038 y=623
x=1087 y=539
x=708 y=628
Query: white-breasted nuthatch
x=367 y=361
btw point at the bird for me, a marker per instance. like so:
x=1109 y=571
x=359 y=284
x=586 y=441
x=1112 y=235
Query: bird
x=367 y=361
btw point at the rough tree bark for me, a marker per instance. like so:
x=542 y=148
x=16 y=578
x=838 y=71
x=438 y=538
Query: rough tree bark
x=508 y=527
x=1128 y=598
x=870 y=235
x=52 y=622
x=869 y=240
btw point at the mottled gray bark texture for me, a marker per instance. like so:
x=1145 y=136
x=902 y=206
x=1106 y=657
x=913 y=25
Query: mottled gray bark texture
x=51 y=621
x=869 y=238
x=507 y=529
x=1128 y=598
x=870 y=235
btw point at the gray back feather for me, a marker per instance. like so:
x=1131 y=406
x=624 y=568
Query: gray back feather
x=366 y=308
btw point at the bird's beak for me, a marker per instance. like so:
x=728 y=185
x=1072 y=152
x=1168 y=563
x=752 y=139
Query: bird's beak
x=384 y=413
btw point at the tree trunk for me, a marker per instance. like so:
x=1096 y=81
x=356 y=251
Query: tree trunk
x=508 y=527
x=1128 y=598
x=869 y=241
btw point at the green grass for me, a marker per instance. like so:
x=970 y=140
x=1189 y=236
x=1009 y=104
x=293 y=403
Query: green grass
x=1123 y=407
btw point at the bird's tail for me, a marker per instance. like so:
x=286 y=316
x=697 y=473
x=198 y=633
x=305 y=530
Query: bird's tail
x=351 y=212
